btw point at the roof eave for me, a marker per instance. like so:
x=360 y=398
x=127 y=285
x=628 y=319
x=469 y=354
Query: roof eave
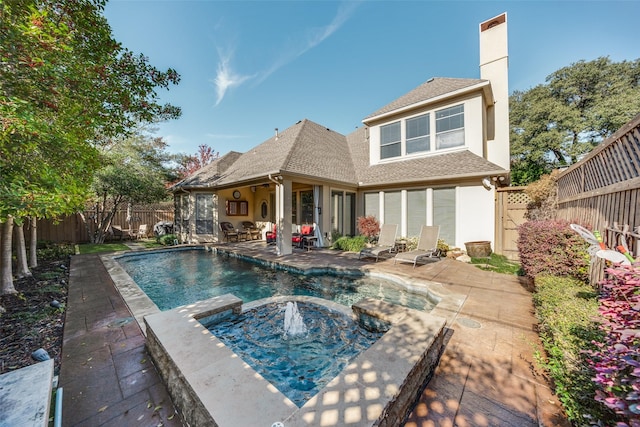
x=452 y=177
x=484 y=85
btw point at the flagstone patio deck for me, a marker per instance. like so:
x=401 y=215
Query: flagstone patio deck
x=486 y=375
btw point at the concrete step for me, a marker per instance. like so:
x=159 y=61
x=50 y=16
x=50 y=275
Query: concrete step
x=25 y=395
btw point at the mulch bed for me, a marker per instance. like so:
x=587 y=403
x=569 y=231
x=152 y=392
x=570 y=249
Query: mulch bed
x=30 y=321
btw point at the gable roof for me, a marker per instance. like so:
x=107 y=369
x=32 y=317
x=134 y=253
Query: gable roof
x=444 y=166
x=428 y=92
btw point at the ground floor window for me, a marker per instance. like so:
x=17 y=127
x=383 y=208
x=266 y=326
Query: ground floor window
x=416 y=211
x=393 y=207
x=306 y=207
x=444 y=213
x=411 y=209
x=372 y=205
x=343 y=212
x=204 y=214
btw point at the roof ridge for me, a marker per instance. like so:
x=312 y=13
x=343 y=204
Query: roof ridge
x=287 y=160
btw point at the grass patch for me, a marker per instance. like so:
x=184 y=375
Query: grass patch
x=150 y=244
x=497 y=263
x=94 y=248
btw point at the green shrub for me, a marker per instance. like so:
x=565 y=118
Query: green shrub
x=552 y=247
x=166 y=239
x=443 y=246
x=567 y=310
x=351 y=244
x=48 y=251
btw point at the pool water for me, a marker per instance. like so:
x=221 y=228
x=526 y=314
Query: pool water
x=300 y=365
x=175 y=278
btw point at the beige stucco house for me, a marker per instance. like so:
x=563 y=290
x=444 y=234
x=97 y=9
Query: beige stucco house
x=432 y=156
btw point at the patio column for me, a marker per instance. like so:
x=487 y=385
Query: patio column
x=283 y=218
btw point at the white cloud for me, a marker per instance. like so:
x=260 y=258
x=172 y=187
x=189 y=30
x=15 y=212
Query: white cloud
x=227 y=78
x=315 y=37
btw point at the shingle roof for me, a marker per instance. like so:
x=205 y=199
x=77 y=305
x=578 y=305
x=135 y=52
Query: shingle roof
x=210 y=173
x=430 y=89
x=305 y=148
x=312 y=150
x=429 y=168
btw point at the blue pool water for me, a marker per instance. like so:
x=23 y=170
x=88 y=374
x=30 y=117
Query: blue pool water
x=300 y=365
x=174 y=278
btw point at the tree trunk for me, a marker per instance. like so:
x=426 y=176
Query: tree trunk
x=33 y=243
x=6 y=286
x=86 y=226
x=21 y=252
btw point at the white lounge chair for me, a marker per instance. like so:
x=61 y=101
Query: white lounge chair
x=386 y=242
x=427 y=246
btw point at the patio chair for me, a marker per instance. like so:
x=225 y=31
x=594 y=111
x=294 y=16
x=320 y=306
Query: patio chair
x=229 y=231
x=307 y=236
x=427 y=246
x=271 y=236
x=386 y=242
x=143 y=230
x=251 y=228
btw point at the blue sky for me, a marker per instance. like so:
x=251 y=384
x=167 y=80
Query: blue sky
x=249 y=67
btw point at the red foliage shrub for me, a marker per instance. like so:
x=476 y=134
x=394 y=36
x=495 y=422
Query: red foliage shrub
x=368 y=226
x=552 y=247
x=617 y=359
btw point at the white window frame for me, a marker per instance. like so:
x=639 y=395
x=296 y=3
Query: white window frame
x=419 y=136
x=443 y=133
x=388 y=144
x=449 y=130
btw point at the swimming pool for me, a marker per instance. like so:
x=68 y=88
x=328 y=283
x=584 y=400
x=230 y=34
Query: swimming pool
x=174 y=278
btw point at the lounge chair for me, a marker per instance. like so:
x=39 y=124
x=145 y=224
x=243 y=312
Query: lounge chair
x=116 y=232
x=386 y=242
x=250 y=227
x=229 y=231
x=427 y=246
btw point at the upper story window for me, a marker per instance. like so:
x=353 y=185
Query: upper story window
x=390 y=142
x=412 y=136
x=450 y=127
x=417 y=131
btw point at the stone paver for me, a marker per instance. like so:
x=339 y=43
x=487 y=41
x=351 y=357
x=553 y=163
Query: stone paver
x=486 y=376
x=106 y=374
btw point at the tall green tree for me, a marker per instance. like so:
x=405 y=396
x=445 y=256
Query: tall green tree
x=136 y=170
x=66 y=88
x=555 y=124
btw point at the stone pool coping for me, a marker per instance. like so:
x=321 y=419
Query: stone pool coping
x=448 y=303
x=213 y=386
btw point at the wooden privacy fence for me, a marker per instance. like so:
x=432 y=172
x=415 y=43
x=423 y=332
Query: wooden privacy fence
x=602 y=191
x=71 y=229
